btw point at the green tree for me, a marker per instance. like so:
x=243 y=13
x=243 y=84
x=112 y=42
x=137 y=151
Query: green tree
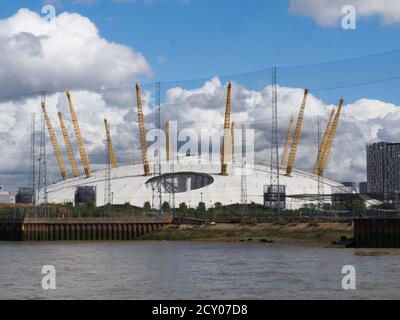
x=253 y=206
x=166 y=206
x=191 y=212
x=218 y=205
x=69 y=205
x=355 y=205
x=183 y=207
x=201 y=209
x=147 y=206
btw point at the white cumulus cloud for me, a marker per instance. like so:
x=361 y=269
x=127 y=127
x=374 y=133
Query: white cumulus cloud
x=68 y=52
x=329 y=12
x=362 y=121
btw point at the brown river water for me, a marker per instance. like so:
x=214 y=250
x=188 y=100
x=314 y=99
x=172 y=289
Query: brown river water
x=193 y=270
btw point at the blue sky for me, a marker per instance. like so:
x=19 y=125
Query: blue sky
x=201 y=38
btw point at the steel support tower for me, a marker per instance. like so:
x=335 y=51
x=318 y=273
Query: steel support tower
x=243 y=183
x=33 y=158
x=320 y=177
x=107 y=183
x=157 y=196
x=274 y=170
x=42 y=179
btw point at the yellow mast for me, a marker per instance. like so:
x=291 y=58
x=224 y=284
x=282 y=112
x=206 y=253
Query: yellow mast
x=143 y=140
x=81 y=147
x=332 y=135
x=112 y=158
x=60 y=160
x=324 y=142
x=285 y=155
x=68 y=146
x=226 y=142
x=293 y=149
x=168 y=146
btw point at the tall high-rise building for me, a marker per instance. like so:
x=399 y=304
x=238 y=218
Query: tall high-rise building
x=363 y=187
x=383 y=167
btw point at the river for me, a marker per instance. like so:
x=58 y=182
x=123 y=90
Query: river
x=191 y=270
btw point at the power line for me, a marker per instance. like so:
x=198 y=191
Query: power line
x=341 y=60
x=265 y=71
x=360 y=84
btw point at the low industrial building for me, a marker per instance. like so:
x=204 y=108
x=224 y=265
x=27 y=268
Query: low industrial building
x=6 y=197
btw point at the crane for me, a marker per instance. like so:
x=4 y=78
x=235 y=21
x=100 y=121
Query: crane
x=285 y=155
x=111 y=154
x=81 y=147
x=323 y=145
x=60 y=160
x=167 y=147
x=331 y=137
x=293 y=149
x=143 y=140
x=68 y=146
x=226 y=140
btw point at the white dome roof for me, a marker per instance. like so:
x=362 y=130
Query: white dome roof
x=128 y=184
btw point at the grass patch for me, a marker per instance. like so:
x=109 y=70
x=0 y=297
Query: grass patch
x=313 y=224
x=272 y=232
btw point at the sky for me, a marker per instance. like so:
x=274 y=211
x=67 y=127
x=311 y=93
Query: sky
x=186 y=39
x=112 y=43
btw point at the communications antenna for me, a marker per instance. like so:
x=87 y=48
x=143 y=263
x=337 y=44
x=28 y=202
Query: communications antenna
x=243 y=184
x=171 y=161
x=274 y=170
x=320 y=177
x=107 y=183
x=158 y=195
x=33 y=158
